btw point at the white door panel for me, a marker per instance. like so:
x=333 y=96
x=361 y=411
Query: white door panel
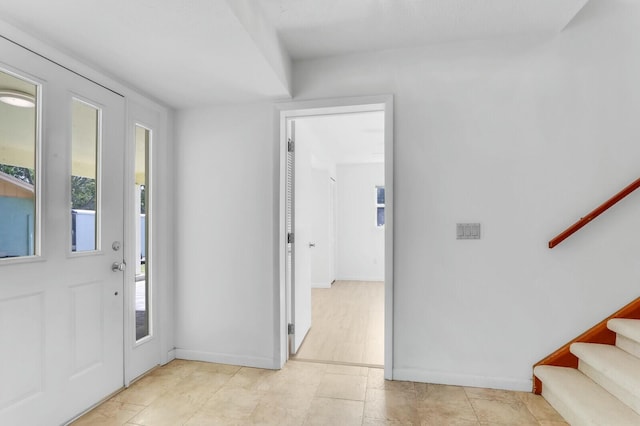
x=302 y=231
x=61 y=313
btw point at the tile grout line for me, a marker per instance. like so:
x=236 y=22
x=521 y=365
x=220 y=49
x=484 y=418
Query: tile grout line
x=364 y=402
x=471 y=405
x=529 y=410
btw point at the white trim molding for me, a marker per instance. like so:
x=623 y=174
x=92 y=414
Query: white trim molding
x=469 y=380
x=305 y=108
x=221 y=358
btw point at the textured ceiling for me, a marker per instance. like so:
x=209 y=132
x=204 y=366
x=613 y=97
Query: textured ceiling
x=312 y=28
x=184 y=53
x=207 y=52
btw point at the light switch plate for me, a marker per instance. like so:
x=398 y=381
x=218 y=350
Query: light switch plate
x=468 y=231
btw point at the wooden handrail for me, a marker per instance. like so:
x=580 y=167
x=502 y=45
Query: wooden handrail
x=595 y=213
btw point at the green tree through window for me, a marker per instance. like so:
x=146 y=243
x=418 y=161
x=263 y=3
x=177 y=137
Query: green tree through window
x=83 y=193
x=22 y=173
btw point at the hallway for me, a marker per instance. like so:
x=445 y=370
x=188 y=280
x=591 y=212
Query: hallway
x=347 y=324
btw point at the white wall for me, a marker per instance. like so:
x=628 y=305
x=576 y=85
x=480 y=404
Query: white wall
x=360 y=254
x=324 y=167
x=524 y=136
x=164 y=230
x=226 y=179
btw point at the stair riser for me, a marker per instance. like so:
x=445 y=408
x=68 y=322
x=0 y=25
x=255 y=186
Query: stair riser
x=628 y=345
x=624 y=395
x=571 y=416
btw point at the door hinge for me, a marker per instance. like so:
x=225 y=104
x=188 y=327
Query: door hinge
x=290 y=238
x=290 y=145
x=291 y=329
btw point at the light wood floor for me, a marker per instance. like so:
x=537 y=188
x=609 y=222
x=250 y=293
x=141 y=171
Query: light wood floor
x=347 y=324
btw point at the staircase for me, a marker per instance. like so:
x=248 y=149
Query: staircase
x=595 y=378
x=604 y=389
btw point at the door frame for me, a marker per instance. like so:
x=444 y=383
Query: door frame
x=148 y=118
x=288 y=110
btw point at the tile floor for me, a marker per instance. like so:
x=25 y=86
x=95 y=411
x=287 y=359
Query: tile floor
x=304 y=393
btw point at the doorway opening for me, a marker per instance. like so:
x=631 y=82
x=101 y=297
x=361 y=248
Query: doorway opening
x=337 y=248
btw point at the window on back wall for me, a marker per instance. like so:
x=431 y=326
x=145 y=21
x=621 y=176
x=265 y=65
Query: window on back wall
x=379 y=206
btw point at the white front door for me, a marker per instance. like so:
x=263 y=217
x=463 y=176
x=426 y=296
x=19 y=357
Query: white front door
x=61 y=304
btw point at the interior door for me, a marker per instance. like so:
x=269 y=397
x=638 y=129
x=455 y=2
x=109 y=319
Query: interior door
x=301 y=269
x=61 y=304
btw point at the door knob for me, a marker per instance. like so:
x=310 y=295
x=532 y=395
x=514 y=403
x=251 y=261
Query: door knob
x=118 y=266
x=312 y=244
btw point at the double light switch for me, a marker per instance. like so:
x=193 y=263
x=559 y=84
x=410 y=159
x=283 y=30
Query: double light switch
x=468 y=231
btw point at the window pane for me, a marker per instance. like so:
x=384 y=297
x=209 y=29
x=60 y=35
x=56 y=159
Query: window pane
x=18 y=133
x=142 y=213
x=84 y=185
x=380 y=194
x=380 y=216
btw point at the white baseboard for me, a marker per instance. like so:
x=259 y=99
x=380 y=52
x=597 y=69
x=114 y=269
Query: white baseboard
x=441 y=378
x=171 y=355
x=245 y=361
x=320 y=285
x=376 y=279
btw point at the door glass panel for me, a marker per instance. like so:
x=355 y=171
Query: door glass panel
x=85 y=141
x=142 y=213
x=18 y=167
